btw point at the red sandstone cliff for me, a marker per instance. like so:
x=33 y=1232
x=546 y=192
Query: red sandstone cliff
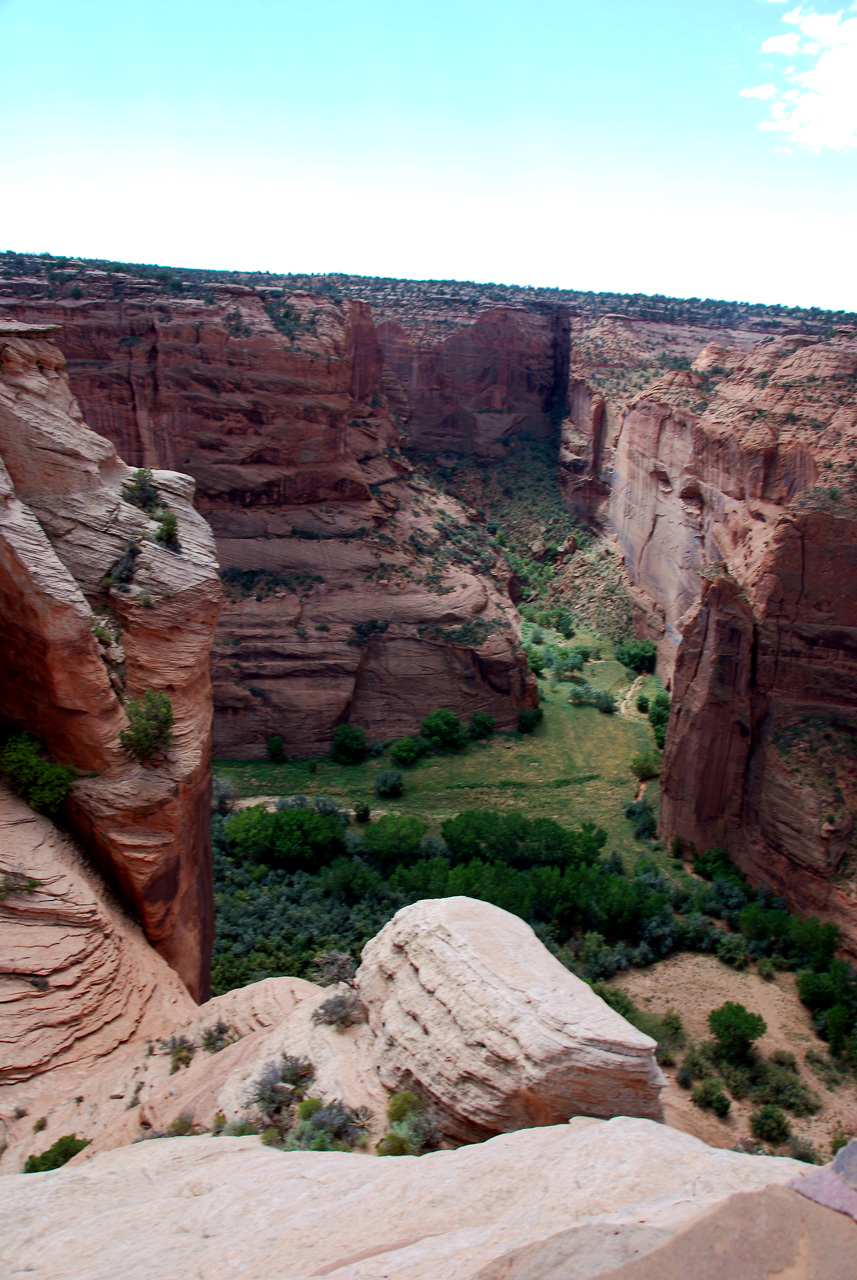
x=291 y=435
x=76 y=647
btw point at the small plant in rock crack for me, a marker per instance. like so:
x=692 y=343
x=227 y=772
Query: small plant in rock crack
x=332 y=967
x=167 y=532
x=181 y=1051
x=340 y=1011
x=215 y=1038
x=334 y=1127
x=150 y=726
x=141 y=492
x=411 y=1130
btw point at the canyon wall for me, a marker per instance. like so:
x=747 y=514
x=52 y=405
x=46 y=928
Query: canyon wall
x=345 y=598
x=80 y=638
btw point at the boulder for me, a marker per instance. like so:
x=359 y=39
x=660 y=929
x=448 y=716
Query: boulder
x=471 y=1011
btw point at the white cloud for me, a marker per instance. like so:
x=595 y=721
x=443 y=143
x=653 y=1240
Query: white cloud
x=816 y=106
x=763 y=91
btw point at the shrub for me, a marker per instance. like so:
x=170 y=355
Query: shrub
x=340 y=1011
x=362 y=632
x=641 y=814
x=481 y=725
x=782 y=1087
x=349 y=745
x=362 y=812
x=222 y=795
x=735 y=1029
x=767 y=968
x=389 y=784
x=538 y=636
x=181 y=1051
x=393 y=838
x=530 y=719
x=659 y=714
x=444 y=730
x=217 y=1037
x=332 y=967
x=536 y=660
x=280 y=1085
x=684 y=1077
x=411 y=1132
x=801 y=1149
x=604 y=701
x=181 y=1127
x=646 y=765
x=642 y=704
x=276 y=750
x=711 y=1097
x=42 y=784
x=141 y=492
x=41 y=1123
x=167 y=532
x=150 y=726
x=732 y=950
x=16 y=882
x=334 y=1127
x=770 y=1124
x=405 y=751
x=290 y=839
x=56 y=1155
x=639 y=655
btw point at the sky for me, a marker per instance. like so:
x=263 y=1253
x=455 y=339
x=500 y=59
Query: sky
x=699 y=148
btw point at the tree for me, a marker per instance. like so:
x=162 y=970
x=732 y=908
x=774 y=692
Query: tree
x=529 y=719
x=167 y=532
x=276 y=749
x=393 y=838
x=41 y=783
x=349 y=744
x=389 y=784
x=405 y=751
x=481 y=724
x=150 y=726
x=736 y=1029
x=444 y=730
x=639 y=655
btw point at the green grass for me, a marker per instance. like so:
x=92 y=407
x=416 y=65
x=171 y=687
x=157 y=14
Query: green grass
x=575 y=768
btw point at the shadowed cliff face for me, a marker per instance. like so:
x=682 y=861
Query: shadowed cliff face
x=75 y=648
x=344 y=599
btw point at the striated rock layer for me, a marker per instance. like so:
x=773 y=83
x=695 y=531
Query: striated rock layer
x=578 y=1199
x=344 y=601
x=78 y=643
x=472 y=1011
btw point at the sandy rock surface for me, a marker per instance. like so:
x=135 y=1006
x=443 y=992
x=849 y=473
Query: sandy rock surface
x=229 y=1207
x=470 y=1008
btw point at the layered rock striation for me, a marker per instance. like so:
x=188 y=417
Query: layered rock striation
x=94 y=611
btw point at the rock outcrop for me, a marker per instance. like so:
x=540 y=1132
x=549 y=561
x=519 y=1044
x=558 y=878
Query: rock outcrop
x=94 y=611
x=577 y=1199
x=469 y=1009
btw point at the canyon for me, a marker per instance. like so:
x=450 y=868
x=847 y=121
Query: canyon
x=710 y=445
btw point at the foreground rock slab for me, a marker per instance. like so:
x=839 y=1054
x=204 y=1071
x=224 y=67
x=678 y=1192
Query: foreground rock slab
x=595 y=1194
x=471 y=1010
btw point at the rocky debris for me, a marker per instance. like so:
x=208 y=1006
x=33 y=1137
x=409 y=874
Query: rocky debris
x=588 y=1196
x=471 y=1011
x=94 y=611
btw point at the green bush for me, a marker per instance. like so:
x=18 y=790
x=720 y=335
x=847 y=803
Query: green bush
x=141 y=491
x=659 y=714
x=530 y=719
x=290 y=839
x=647 y=765
x=389 y=784
x=481 y=725
x=711 y=1097
x=732 y=949
x=639 y=655
x=392 y=839
x=410 y=1130
x=642 y=704
x=444 y=730
x=167 y=532
x=405 y=751
x=42 y=784
x=276 y=750
x=362 y=812
x=735 y=1029
x=56 y=1155
x=767 y=969
x=150 y=726
x=349 y=745
x=518 y=841
x=770 y=1124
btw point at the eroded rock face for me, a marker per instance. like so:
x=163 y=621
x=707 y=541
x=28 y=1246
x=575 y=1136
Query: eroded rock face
x=471 y=1010
x=77 y=644
x=292 y=436
x=587 y=1197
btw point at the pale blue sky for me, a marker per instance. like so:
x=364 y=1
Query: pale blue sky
x=598 y=145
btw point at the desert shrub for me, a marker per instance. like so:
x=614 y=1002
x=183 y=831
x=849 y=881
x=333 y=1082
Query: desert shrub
x=405 y=751
x=58 y=1154
x=782 y=1087
x=642 y=704
x=444 y=730
x=16 y=882
x=529 y=719
x=141 y=491
x=150 y=726
x=41 y=1124
x=280 y=1085
x=770 y=1124
x=411 y=1131
x=604 y=702
x=222 y=795
x=345 y=1010
x=839 y=1022
x=639 y=655
x=349 y=745
x=711 y=1097
x=181 y=1127
x=641 y=814
x=290 y=839
x=732 y=950
x=684 y=1077
x=735 y=1029
x=276 y=749
x=167 y=532
x=332 y=967
x=362 y=812
x=481 y=724
x=801 y=1149
x=647 y=765
x=41 y=783
x=536 y=660
x=389 y=784
x=767 y=969
x=334 y=1127
x=393 y=838
x=362 y=632
x=217 y=1037
x=665 y=1028
x=181 y=1051
x=659 y=714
